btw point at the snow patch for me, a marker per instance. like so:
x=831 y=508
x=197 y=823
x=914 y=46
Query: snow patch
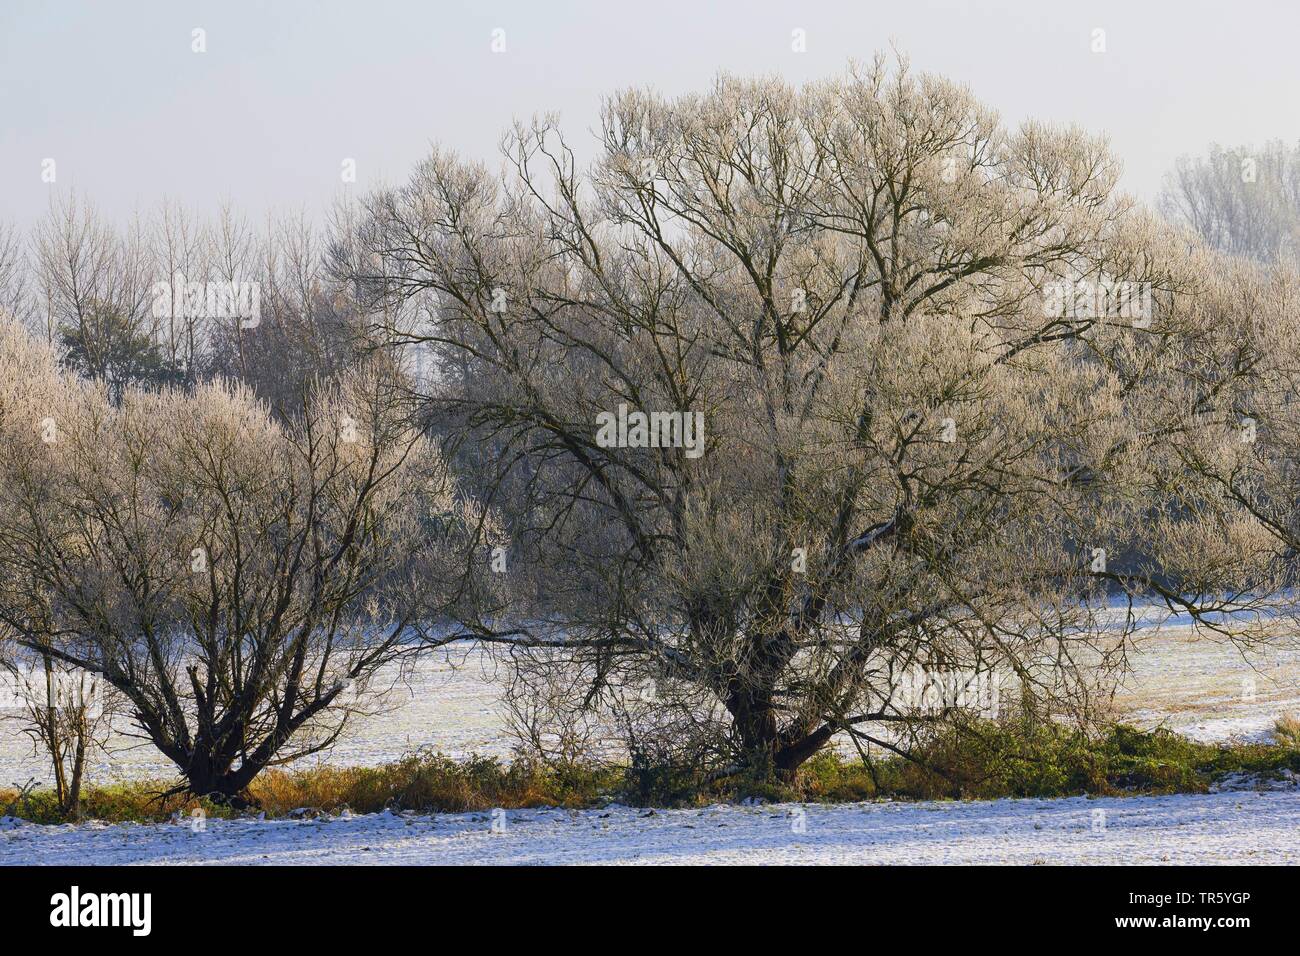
x=1229 y=827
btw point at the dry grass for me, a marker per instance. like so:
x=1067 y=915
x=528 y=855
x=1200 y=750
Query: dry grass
x=426 y=782
x=987 y=761
x=1286 y=730
x=432 y=782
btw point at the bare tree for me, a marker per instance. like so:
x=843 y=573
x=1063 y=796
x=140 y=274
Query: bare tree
x=237 y=579
x=307 y=328
x=784 y=399
x=1235 y=446
x=181 y=253
x=15 y=282
x=1243 y=201
x=65 y=711
x=96 y=289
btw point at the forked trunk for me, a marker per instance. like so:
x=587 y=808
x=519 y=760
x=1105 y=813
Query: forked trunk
x=221 y=784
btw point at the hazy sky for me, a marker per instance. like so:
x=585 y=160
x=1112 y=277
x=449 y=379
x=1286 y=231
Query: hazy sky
x=285 y=92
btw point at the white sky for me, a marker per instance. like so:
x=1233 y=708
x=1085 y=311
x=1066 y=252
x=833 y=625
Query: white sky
x=113 y=93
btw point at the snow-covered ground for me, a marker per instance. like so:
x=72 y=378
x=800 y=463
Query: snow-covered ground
x=1207 y=690
x=1210 y=690
x=451 y=702
x=1242 y=827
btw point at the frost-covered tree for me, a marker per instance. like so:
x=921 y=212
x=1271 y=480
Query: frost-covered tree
x=1243 y=201
x=1236 y=443
x=238 y=579
x=902 y=372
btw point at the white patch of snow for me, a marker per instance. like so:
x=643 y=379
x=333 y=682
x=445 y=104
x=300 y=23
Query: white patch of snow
x=1217 y=828
x=1237 y=782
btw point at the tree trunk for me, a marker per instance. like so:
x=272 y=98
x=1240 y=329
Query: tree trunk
x=768 y=753
x=755 y=723
x=222 y=785
x=73 y=807
x=796 y=753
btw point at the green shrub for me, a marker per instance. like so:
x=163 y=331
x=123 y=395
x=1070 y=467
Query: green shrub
x=988 y=759
x=1018 y=758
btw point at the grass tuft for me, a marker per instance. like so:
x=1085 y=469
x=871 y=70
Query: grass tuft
x=988 y=760
x=1286 y=731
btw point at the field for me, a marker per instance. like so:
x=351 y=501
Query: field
x=1205 y=690
x=1245 y=827
x=1202 y=689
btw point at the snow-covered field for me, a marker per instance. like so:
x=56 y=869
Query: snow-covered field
x=1206 y=690
x=1210 y=690
x=451 y=702
x=1245 y=827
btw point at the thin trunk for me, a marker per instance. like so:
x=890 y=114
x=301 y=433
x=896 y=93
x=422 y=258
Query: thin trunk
x=53 y=738
x=73 y=807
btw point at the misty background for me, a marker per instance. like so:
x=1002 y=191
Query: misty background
x=285 y=93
